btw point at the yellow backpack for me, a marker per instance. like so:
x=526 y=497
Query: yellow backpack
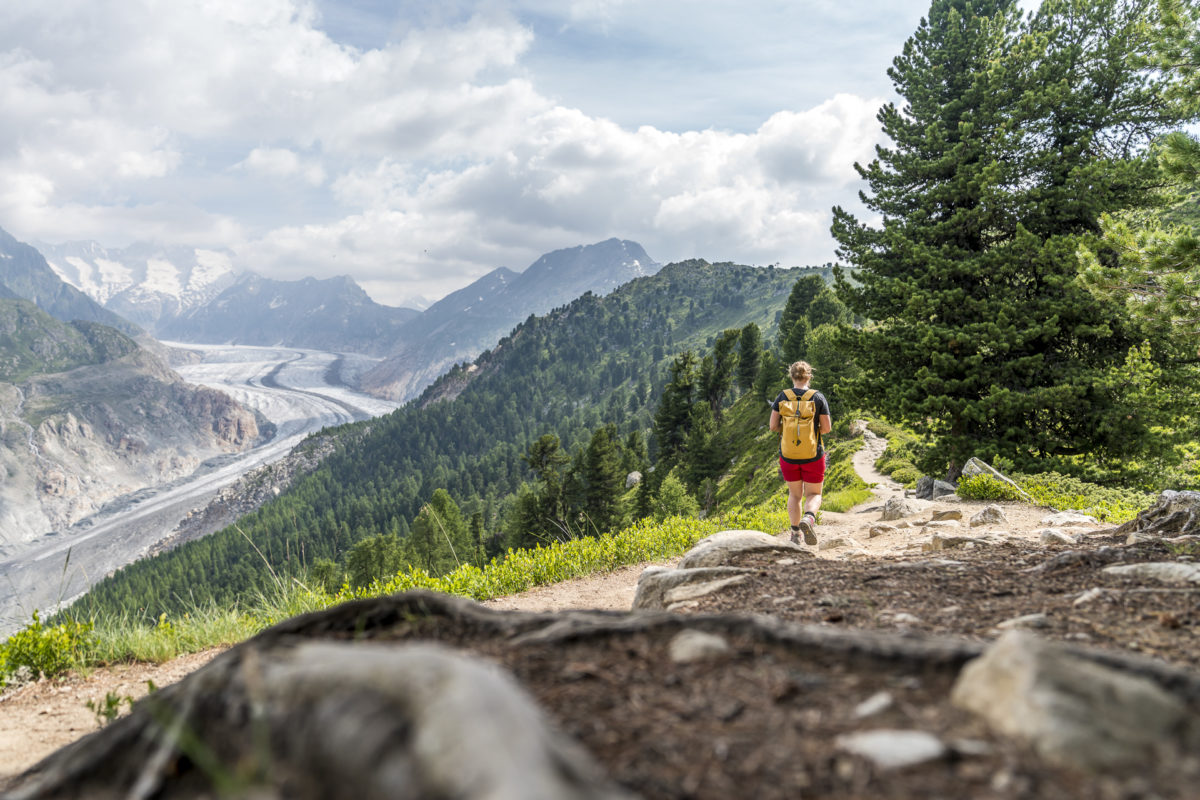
x=800 y=438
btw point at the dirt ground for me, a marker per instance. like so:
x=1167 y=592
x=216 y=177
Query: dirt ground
x=765 y=721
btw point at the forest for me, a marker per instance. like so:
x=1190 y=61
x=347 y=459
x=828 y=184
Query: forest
x=1020 y=284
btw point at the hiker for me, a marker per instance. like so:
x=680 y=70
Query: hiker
x=801 y=416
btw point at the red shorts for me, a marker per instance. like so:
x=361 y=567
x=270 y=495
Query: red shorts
x=812 y=472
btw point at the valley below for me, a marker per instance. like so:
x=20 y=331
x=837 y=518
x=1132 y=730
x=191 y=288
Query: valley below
x=298 y=391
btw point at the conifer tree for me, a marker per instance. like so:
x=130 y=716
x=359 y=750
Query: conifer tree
x=804 y=291
x=1006 y=151
x=672 y=419
x=439 y=541
x=749 y=356
x=603 y=480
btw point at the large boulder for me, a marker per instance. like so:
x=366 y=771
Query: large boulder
x=1074 y=712
x=719 y=549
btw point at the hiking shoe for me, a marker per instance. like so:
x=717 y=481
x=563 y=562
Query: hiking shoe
x=810 y=531
x=794 y=536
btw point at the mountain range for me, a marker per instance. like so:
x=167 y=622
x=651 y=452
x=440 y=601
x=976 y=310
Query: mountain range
x=463 y=324
x=195 y=295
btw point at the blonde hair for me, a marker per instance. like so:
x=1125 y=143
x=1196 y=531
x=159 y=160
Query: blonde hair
x=800 y=371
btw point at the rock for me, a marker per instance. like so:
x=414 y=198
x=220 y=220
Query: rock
x=689 y=646
x=1164 y=571
x=953 y=513
x=944 y=489
x=720 y=548
x=1068 y=519
x=655 y=582
x=857 y=427
x=930 y=488
x=1056 y=536
x=340 y=719
x=924 y=489
x=1173 y=513
x=633 y=479
x=901 y=507
x=904 y=618
x=1073 y=712
x=880 y=530
x=686 y=593
x=832 y=543
x=976 y=467
x=990 y=515
x=893 y=749
x=1091 y=594
x=943 y=542
x=875 y=704
x=942 y=524
x=1026 y=621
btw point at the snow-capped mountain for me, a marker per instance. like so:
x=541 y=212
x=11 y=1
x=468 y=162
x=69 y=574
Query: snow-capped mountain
x=148 y=284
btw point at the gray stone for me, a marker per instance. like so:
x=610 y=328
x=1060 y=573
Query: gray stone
x=943 y=542
x=1027 y=621
x=633 y=479
x=691 y=645
x=720 y=548
x=901 y=507
x=976 y=467
x=893 y=749
x=942 y=524
x=1091 y=594
x=693 y=590
x=904 y=618
x=924 y=489
x=1073 y=712
x=1056 y=536
x=655 y=582
x=1164 y=571
x=989 y=515
x=875 y=704
x=1069 y=519
x=880 y=530
x=832 y=543
x=953 y=513
x=943 y=489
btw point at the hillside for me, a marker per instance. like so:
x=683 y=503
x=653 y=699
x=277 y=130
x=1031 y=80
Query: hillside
x=591 y=362
x=461 y=325
x=87 y=415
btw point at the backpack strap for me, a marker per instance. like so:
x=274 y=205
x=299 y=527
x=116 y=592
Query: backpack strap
x=808 y=395
x=789 y=394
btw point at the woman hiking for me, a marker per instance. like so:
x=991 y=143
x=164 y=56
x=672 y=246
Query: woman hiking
x=801 y=416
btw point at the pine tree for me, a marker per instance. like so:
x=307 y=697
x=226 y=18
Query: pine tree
x=440 y=541
x=1002 y=156
x=804 y=291
x=675 y=406
x=603 y=480
x=716 y=371
x=749 y=356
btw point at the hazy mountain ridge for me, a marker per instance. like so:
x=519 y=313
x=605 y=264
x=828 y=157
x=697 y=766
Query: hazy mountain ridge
x=333 y=314
x=471 y=320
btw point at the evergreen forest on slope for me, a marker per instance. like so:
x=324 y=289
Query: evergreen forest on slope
x=591 y=370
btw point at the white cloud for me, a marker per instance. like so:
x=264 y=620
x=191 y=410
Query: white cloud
x=415 y=166
x=279 y=162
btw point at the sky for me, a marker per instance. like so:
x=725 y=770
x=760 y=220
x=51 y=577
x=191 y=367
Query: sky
x=416 y=146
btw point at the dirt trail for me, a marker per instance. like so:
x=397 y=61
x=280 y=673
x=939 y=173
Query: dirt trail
x=39 y=718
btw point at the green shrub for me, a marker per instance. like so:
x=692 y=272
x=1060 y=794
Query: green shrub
x=47 y=649
x=1065 y=492
x=986 y=487
x=845 y=499
x=907 y=475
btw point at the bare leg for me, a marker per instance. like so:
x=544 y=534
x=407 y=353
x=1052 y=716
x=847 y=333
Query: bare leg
x=812 y=497
x=795 y=503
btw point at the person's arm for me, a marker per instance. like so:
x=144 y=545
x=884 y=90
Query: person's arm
x=826 y=425
x=774 y=423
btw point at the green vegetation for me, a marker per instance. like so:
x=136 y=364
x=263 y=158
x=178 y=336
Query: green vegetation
x=986 y=487
x=1006 y=152
x=590 y=375
x=34 y=343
